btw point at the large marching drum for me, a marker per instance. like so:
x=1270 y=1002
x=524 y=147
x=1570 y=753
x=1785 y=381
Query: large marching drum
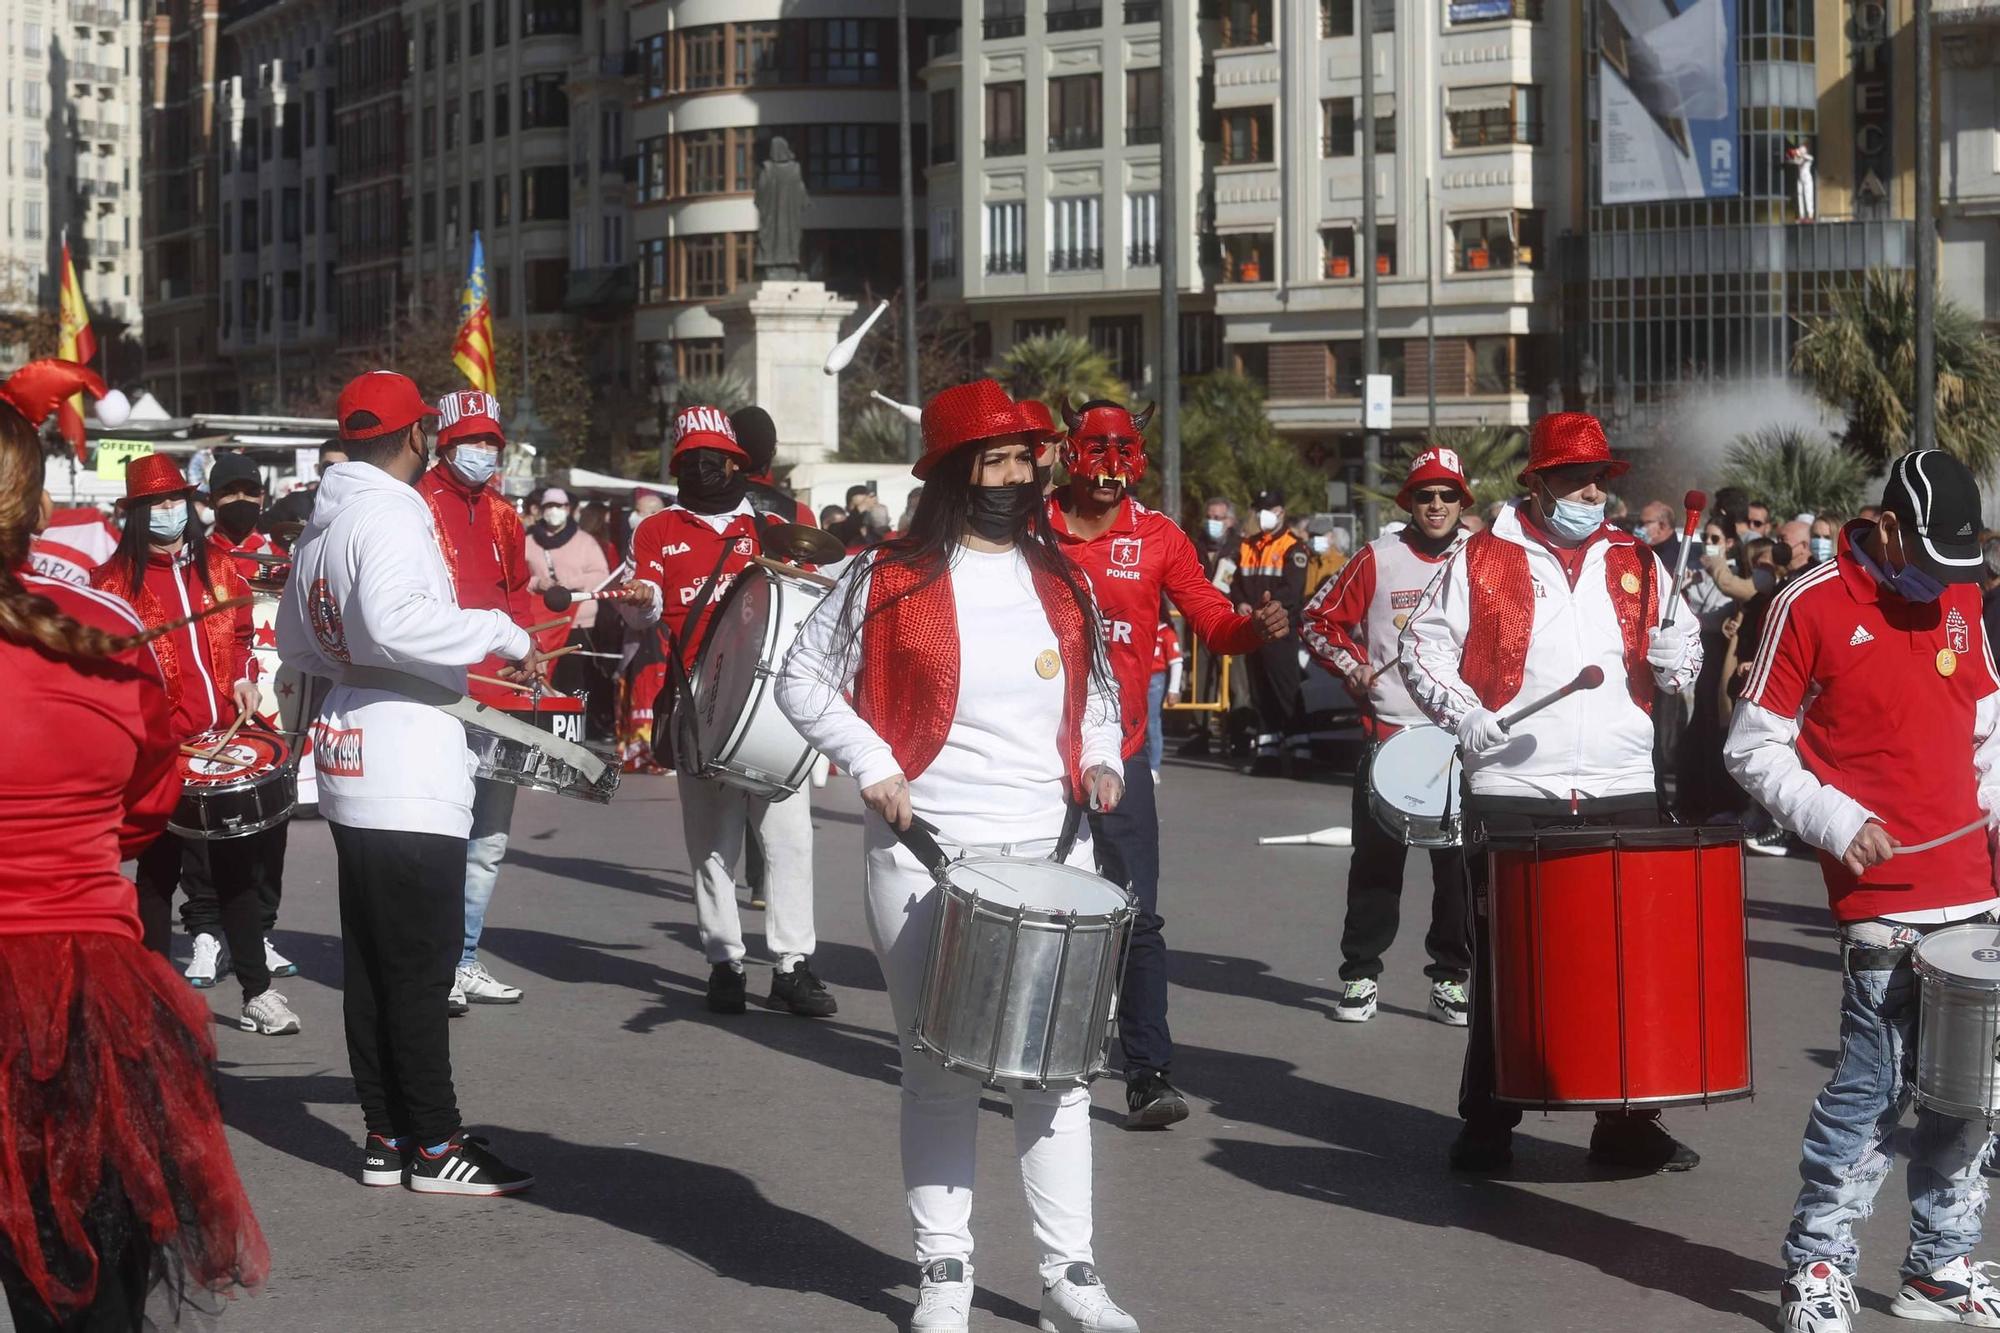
x=1620 y=977
x=1413 y=786
x=1958 y=1024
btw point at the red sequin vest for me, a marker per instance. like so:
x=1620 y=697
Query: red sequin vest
x=1501 y=615
x=907 y=685
x=225 y=662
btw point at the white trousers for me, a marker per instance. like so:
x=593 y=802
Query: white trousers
x=714 y=818
x=940 y=1110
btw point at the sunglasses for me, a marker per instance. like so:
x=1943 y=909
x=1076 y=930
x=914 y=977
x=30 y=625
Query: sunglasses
x=1433 y=497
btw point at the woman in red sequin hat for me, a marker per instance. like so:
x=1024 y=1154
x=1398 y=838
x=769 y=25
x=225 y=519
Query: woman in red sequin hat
x=959 y=674
x=114 y=1170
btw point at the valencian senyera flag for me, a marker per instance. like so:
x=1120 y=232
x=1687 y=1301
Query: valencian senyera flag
x=472 y=350
x=74 y=342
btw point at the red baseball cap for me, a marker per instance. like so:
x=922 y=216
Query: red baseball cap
x=1433 y=465
x=391 y=398
x=468 y=413
x=703 y=427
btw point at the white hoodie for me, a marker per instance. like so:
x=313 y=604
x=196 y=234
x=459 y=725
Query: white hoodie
x=369 y=588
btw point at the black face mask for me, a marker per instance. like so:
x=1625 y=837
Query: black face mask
x=707 y=486
x=237 y=518
x=1001 y=513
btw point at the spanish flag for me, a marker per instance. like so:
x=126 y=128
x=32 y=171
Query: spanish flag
x=75 y=342
x=472 y=350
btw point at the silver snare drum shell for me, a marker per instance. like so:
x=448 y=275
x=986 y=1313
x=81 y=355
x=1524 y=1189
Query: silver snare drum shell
x=504 y=759
x=1958 y=1032
x=1021 y=984
x=1413 y=780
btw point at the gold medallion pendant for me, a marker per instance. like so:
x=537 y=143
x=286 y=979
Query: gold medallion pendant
x=1947 y=661
x=1047 y=663
x=1630 y=583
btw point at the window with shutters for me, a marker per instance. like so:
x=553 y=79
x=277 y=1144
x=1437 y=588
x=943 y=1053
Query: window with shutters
x=1006 y=119
x=1142 y=229
x=1076 y=234
x=1006 y=238
x=1075 y=112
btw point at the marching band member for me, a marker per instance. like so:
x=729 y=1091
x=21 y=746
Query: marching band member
x=117 y=1169
x=758 y=435
x=75 y=542
x=1871 y=722
x=1518 y=612
x=1131 y=556
x=485 y=550
x=167 y=569
x=1352 y=625
x=983 y=702
x=1271 y=567
x=370 y=604
x=686 y=557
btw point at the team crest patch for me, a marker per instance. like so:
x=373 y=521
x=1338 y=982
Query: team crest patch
x=1125 y=552
x=744 y=546
x=1957 y=633
x=324 y=615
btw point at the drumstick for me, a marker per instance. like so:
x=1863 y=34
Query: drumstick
x=230 y=734
x=1953 y=836
x=1587 y=679
x=548 y=624
x=1376 y=674
x=503 y=684
x=562 y=652
x=161 y=631
x=196 y=752
x=780 y=567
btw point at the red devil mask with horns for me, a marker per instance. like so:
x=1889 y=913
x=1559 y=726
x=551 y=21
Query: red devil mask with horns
x=1106 y=444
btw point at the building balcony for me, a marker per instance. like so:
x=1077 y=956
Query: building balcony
x=1006 y=147
x=601 y=290
x=1075 y=139
x=1075 y=20
x=1011 y=25
x=1136 y=135
x=1142 y=254
x=942 y=44
x=1142 y=11
x=1077 y=260
x=94 y=16
x=105 y=191
x=84 y=72
x=1003 y=263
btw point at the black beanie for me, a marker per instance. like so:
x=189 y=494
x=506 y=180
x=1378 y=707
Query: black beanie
x=758 y=435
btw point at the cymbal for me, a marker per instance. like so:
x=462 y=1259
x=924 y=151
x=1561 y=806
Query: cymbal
x=798 y=544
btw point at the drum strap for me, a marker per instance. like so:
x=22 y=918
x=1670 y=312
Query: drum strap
x=474 y=713
x=1066 y=841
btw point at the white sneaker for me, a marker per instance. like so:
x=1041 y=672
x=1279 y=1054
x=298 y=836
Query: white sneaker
x=268 y=1015
x=1357 y=1002
x=454 y=1003
x=207 y=961
x=944 y=1298
x=1817 y=1299
x=1448 y=1003
x=276 y=963
x=1077 y=1302
x=479 y=986
x=1958 y=1293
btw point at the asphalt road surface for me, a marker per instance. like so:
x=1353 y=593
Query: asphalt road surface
x=708 y=1175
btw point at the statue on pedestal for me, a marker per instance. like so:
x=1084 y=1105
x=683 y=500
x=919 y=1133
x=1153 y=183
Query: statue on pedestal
x=781 y=206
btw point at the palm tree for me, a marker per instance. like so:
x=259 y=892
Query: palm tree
x=724 y=389
x=1229 y=451
x=1491 y=456
x=1862 y=358
x=1798 y=471
x=1059 y=367
x=872 y=435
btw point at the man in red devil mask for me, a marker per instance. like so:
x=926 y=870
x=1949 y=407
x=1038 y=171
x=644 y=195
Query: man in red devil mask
x=1132 y=556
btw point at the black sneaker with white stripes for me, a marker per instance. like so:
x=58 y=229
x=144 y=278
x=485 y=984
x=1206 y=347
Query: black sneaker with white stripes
x=466 y=1166
x=382 y=1162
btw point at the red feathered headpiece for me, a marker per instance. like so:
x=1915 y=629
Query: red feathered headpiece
x=37 y=389
x=1106 y=443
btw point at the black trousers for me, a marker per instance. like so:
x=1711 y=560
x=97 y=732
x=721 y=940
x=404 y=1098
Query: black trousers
x=1375 y=897
x=234 y=868
x=1276 y=689
x=1127 y=844
x=124 y=1278
x=402 y=926
x=1489 y=815
x=201 y=909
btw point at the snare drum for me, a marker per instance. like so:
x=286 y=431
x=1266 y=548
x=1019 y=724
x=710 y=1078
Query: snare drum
x=739 y=735
x=1620 y=974
x=1958 y=1029
x=504 y=759
x=1413 y=786
x=248 y=787
x=1021 y=984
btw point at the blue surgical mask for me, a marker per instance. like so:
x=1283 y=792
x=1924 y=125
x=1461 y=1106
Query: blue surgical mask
x=1573 y=520
x=167 y=522
x=1909 y=583
x=474 y=464
x=1215 y=529
x=1821 y=549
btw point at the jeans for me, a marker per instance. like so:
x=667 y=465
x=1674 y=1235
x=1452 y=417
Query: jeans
x=1375 y=896
x=940 y=1108
x=1128 y=854
x=402 y=909
x=1156 y=741
x=1847 y=1152
x=492 y=814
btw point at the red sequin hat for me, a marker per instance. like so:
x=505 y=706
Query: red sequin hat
x=1430 y=467
x=1562 y=438
x=1038 y=415
x=966 y=414
x=150 y=476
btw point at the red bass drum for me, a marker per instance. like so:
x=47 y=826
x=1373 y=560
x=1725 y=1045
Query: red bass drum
x=1619 y=968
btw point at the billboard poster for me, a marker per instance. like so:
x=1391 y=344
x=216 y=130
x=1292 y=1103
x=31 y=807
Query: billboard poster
x=1666 y=100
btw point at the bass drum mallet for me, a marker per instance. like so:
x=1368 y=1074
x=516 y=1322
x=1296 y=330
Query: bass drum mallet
x=561 y=599
x=1694 y=502
x=1587 y=679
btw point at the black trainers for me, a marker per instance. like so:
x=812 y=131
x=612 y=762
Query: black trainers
x=466 y=1166
x=1151 y=1102
x=1478 y=1150
x=382 y=1162
x=801 y=992
x=1640 y=1144
x=725 y=989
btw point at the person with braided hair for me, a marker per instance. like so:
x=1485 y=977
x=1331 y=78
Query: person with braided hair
x=115 y=1145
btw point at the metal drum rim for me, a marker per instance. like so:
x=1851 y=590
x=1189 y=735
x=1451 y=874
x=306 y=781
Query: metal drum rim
x=1657 y=837
x=1128 y=904
x=1930 y=971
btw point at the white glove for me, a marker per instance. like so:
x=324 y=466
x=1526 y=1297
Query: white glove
x=1666 y=648
x=1480 y=731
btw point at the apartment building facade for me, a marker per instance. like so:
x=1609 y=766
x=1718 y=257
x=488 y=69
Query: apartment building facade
x=179 y=191
x=1969 y=161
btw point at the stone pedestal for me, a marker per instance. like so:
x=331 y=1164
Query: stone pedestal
x=776 y=334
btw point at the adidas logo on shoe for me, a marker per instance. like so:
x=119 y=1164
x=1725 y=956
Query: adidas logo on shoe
x=1860 y=636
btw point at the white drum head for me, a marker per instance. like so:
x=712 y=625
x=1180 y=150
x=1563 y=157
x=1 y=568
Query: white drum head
x=731 y=652
x=1042 y=886
x=1416 y=771
x=1968 y=954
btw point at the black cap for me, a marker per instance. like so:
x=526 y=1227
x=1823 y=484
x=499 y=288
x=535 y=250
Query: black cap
x=233 y=469
x=758 y=435
x=1936 y=502
x=1269 y=500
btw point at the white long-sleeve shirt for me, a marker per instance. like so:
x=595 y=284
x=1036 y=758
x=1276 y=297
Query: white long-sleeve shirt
x=1001 y=775
x=1595 y=742
x=369 y=588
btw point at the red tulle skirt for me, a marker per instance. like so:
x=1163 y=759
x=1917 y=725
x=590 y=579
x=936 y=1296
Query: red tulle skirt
x=110 y=1135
